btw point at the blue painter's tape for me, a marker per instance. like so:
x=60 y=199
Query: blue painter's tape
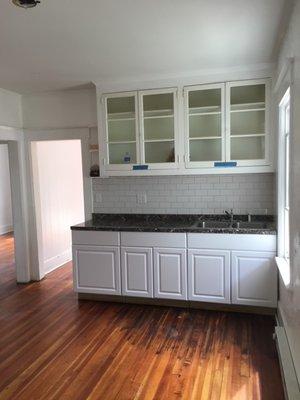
x=227 y=164
x=140 y=167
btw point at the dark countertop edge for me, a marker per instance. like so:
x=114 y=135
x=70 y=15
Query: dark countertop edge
x=178 y=230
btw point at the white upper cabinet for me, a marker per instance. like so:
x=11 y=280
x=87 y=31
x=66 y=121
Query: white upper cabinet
x=158 y=128
x=140 y=130
x=121 y=139
x=247 y=139
x=204 y=125
x=202 y=129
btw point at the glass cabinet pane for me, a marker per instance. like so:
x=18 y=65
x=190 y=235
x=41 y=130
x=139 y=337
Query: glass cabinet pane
x=159 y=152
x=158 y=127
x=121 y=129
x=247 y=122
x=206 y=150
x=205 y=124
x=122 y=153
x=248 y=148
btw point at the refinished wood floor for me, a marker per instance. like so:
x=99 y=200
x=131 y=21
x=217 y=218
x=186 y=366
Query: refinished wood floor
x=54 y=347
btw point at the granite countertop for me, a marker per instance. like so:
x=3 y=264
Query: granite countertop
x=260 y=224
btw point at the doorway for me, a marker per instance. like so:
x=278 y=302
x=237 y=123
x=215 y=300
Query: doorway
x=59 y=198
x=7 y=265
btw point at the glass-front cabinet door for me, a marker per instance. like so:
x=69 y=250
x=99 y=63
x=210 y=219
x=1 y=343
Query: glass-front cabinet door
x=247 y=131
x=121 y=128
x=205 y=128
x=158 y=121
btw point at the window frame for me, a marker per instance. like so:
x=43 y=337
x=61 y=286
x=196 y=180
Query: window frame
x=284 y=158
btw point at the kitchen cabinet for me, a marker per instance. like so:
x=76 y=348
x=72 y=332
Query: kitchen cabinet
x=204 y=125
x=201 y=129
x=170 y=273
x=205 y=267
x=254 y=278
x=209 y=275
x=247 y=136
x=140 y=130
x=137 y=271
x=97 y=269
x=227 y=124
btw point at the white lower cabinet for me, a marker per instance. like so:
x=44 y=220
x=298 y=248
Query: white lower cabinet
x=209 y=275
x=137 y=271
x=221 y=268
x=97 y=269
x=170 y=273
x=254 y=278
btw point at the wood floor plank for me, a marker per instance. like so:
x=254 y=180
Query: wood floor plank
x=54 y=347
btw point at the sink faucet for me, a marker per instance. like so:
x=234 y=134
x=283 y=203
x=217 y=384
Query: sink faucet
x=230 y=214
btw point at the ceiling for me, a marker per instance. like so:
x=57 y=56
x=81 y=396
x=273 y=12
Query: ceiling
x=67 y=43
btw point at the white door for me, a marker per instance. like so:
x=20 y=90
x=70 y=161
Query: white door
x=137 y=271
x=254 y=278
x=97 y=269
x=170 y=275
x=209 y=275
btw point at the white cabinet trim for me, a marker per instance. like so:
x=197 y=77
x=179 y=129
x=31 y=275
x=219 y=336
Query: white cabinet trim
x=270 y=283
x=148 y=271
x=225 y=278
x=182 y=274
x=116 y=269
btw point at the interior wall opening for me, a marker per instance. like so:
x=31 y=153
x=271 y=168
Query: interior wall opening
x=6 y=217
x=59 y=198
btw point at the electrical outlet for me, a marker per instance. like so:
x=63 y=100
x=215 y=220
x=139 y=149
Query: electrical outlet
x=141 y=198
x=98 y=197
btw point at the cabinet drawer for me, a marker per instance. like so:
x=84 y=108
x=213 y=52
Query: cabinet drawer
x=228 y=241
x=96 y=238
x=153 y=239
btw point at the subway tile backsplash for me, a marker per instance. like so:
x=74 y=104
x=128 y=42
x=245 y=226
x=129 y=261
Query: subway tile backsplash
x=205 y=194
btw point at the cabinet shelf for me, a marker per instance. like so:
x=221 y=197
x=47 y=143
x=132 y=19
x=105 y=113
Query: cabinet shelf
x=205 y=137
x=244 y=107
x=158 y=140
x=122 y=142
x=126 y=116
x=248 y=135
x=204 y=110
x=159 y=116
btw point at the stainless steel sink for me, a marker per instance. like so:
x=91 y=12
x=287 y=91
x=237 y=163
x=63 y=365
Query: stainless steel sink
x=212 y=224
x=249 y=225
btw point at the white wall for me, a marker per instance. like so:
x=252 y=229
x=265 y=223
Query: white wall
x=290 y=298
x=5 y=195
x=10 y=109
x=61 y=109
x=59 y=190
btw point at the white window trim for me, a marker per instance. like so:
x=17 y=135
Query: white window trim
x=283 y=259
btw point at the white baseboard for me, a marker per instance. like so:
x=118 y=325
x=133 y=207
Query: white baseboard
x=6 y=229
x=291 y=385
x=57 y=261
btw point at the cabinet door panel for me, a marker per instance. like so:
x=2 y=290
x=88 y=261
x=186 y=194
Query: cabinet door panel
x=170 y=277
x=209 y=275
x=247 y=105
x=204 y=125
x=254 y=278
x=97 y=269
x=158 y=126
x=137 y=271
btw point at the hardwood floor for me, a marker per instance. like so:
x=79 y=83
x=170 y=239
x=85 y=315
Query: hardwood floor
x=54 y=347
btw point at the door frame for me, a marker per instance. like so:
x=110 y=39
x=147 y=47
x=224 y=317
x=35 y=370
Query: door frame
x=14 y=138
x=38 y=135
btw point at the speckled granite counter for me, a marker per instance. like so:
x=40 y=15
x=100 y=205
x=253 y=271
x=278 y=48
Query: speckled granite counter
x=260 y=224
